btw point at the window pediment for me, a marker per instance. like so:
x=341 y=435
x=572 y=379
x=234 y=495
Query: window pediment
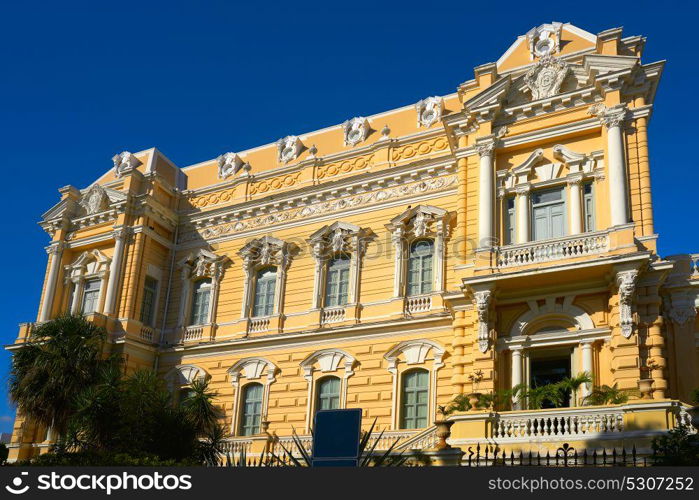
x=89 y=263
x=253 y=369
x=267 y=251
x=328 y=361
x=415 y=352
x=419 y=222
x=339 y=237
x=185 y=375
x=203 y=264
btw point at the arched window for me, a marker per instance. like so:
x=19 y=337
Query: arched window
x=337 y=281
x=328 y=397
x=420 y=267
x=265 y=284
x=251 y=410
x=415 y=399
x=201 y=298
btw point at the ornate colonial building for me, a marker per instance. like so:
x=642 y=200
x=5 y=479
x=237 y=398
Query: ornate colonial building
x=497 y=236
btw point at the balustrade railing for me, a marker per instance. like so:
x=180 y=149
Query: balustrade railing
x=555 y=249
x=193 y=333
x=563 y=424
x=418 y=303
x=332 y=315
x=147 y=333
x=258 y=325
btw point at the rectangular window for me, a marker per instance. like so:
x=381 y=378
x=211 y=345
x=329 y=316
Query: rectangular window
x=548 y=214
x=150 y=291
x=265 y=285
x=337 y=281
x=200 y=302
x=91 y=295
x=509 y=220
x=420 y=267
x=588 y=207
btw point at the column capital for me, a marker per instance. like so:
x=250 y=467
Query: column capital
x=121 y=233
x=523 y=189
x=485 y=146
x=55 y=248
x=575 y=179
x=609 y=116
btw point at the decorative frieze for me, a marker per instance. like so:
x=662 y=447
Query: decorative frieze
x=302 y=212
x=419 y=149
x=280 y=182
x=344 y=167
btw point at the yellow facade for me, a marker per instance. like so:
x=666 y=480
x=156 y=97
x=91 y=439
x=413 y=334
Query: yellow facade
x=531 y=187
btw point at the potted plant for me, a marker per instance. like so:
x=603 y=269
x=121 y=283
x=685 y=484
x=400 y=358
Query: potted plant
x=443 y=426
x=474 y=397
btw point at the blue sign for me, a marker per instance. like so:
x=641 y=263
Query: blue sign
x=336 y=436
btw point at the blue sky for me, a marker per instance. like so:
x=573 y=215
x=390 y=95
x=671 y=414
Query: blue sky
x=83 y=81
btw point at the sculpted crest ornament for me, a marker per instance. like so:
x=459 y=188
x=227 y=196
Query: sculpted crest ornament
x=546 y=77
x=289 y=148
x=429 y=111
x=95 y=200
x=356 y=130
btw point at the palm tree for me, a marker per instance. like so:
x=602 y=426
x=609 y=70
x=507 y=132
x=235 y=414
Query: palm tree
x=606 y=395
x=198 y=406
x=62 y=358
x=572 y=384
x=536 y=396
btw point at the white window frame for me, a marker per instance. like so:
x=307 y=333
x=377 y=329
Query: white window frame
x=401 y=402
x=196 y=266
x=330 y=241
x=90 y=265
x=321 y=364
x=259 y=254
x=422 y=353
x=420 y=222
x=251 y=370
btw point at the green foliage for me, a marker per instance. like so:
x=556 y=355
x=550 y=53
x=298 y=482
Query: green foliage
x=62 y=358
x=676 y=448
x=101 y=458
x=694 y=396
x=537 y=396
x=368 y=455
x=607 y=395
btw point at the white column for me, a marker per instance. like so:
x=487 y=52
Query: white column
x=77 y=295
x=516 y=375
x=613 y=118
x=522 y=212
x=486 y=192
x=586 y=348
x=115 y=270
x=54 y=252
x=575 y=202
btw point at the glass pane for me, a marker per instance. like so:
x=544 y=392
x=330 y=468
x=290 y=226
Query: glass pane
x=265 y=285
x=547 y=196
x=415 y=399
x=252 y=409
x=557 y=221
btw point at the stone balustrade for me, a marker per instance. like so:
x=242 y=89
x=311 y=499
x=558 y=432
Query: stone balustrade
x=568 y=247
x=418 y=304
x=332 y=315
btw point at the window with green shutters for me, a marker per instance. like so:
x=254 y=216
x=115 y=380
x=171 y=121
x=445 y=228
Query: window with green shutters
x=509 y=220
x=415 y=399
x=420 y=267
x=265 y=285
x=150 y=290
x=91 y=295
x=251 y=413
x=328 y=390
x=548 y=214
x=201 y=297
x=337 y=281
x=588 y=207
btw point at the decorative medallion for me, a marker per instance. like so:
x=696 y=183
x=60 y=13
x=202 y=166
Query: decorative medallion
x=289 y=148
x=356 y=130
x=545 y=78
x=429 y=111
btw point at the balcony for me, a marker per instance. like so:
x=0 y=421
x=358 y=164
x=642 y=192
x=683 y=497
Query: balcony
x=638 y=420
x=332 y=315
x=418 y=304
x=568 y=247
